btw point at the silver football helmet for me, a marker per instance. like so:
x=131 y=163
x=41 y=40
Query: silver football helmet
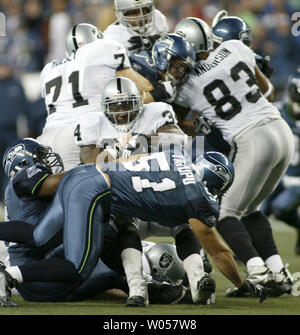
x=136 y=15
x=81 y=34
x=121 y=103
x=165 y=263
x=197 y=32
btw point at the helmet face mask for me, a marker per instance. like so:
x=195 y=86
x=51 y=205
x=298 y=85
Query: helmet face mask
x=121 y=103
x=25 y=152
x=136 y=15
x=174 y=57
x=80 y=35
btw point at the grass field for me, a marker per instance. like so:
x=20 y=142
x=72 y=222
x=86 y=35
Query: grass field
x=285 y=305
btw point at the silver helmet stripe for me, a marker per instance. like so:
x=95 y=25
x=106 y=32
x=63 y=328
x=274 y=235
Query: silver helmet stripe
x=203 y=33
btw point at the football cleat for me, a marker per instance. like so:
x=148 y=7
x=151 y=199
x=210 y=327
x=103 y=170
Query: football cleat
x=7 y=282
x=206 y=287
x=165 y=293
x=261 y=275
x=138 y=294
x=235 y=292
x=283 y=282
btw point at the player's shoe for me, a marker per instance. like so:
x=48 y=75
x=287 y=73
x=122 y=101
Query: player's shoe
x=205 y=293
x=138 y=294
x=283 y=282
x=257 y=275
x=261 y=275
x=6 y=283
x=165 y=293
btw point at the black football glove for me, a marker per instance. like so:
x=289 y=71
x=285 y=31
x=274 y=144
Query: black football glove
x=202 y=125
x=264 y=65
x=142 y=42
x=254 y=290
x=164 y=91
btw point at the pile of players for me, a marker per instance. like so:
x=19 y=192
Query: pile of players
x=150 y=133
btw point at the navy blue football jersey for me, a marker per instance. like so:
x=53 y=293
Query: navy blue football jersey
x=162 y=187
x=27 y=209
x=27 y=182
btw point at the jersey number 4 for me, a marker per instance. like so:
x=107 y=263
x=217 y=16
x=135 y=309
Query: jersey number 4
x=227 y=98
x=57 y=84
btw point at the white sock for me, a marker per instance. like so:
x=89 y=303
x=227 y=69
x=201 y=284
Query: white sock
x=15 y=272
x=132 y=263
x=255 y=261
x=274 y=263
x=193 y=266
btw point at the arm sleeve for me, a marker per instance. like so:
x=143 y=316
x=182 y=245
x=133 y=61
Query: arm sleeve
x=162 y=115
x=119 y=57
x=28 y=182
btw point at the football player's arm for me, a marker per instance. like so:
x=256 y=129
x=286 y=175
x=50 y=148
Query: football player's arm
x=88 y=154
x=161 y=92
x=50 y=185
x=186 y=125
x=219 y=252
x=264 y=84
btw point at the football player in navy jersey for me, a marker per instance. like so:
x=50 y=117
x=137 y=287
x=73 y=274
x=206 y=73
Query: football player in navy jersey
x=129 y=188
x=28 y=196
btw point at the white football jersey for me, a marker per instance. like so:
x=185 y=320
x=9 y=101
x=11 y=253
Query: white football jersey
x=73 y=86
x=122 y=34
x=96 y=129
x=225 y=90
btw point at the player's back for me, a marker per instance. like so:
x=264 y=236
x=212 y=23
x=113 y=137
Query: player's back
x=226 y=91
x=73 y=86
x=162 y=187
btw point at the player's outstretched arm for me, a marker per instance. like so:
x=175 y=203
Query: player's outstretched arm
x=219 y=252
x=223 y=259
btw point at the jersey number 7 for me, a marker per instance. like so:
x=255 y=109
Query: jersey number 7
x=57 y=84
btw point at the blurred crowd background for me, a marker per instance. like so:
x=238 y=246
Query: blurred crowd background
x=36 y=31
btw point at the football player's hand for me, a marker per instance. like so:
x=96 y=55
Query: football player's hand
x=264 y=65
x=220 y=15
x=255 y=290
x=142 y=42
x=164 y=91
x=202 y=125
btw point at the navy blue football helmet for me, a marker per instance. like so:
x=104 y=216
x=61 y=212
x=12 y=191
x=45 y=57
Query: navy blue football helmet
x=174 y=56
x=294 y=86
x=232 y=28
x=218 y=172
x=27 y=151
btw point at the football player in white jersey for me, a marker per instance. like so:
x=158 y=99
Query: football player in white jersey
x=123 y=112
x=72 y=87
x=139 y=24
x=229 y=90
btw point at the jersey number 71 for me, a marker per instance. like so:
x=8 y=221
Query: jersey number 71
x=57 y=84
